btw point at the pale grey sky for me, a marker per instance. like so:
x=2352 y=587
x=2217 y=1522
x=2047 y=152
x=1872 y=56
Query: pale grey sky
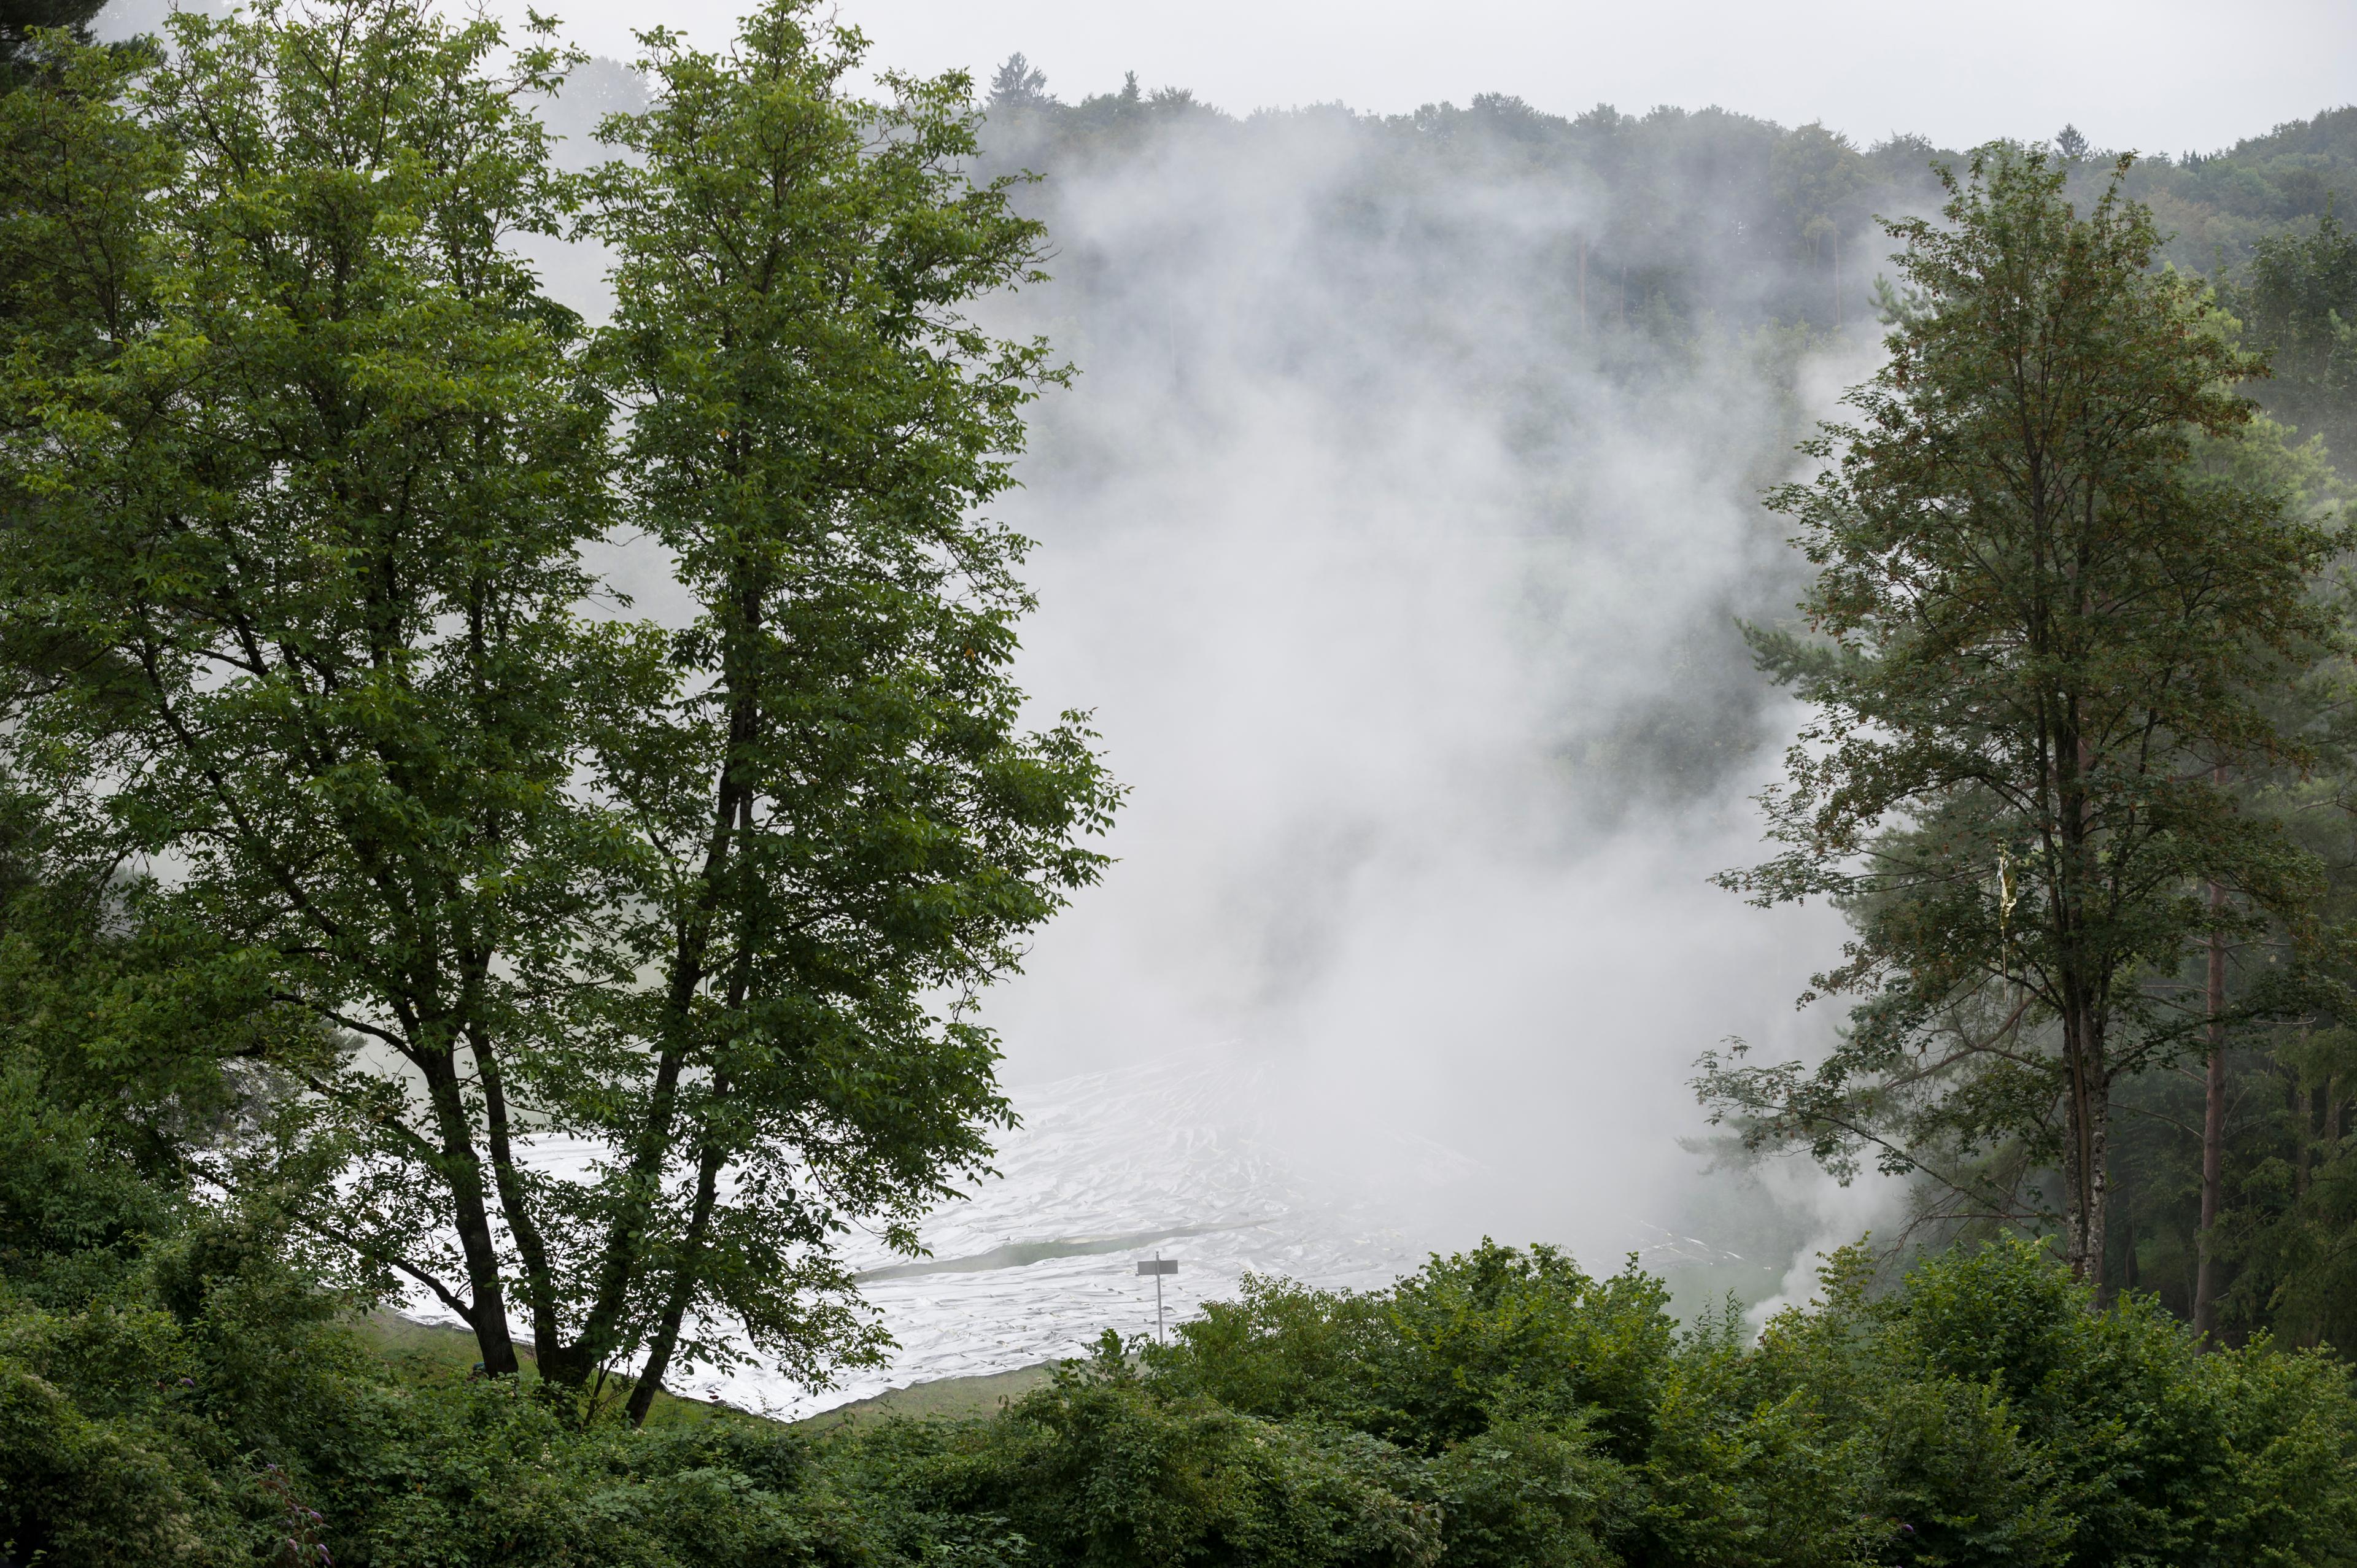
x=2155 y=75
x=2159 y=75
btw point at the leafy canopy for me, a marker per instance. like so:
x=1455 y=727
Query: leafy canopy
x=304 y=642
x=2036 y=631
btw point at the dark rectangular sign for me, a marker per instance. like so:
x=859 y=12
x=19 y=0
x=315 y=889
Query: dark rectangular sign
x=1158 y=1266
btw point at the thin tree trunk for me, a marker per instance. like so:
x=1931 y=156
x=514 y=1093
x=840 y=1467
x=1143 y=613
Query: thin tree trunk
x=2087 y=1102
x=675 y=1312
x=2303 y=1119
x=2127 y=1248
x=2214 y=1136
x=2098 y=1201
x=506 y=1182
x=625 y=1247
x=687 y=1275
x=2087 y=1115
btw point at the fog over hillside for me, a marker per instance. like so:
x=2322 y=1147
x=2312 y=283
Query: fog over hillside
x=1406 y=606
x=1397 y=529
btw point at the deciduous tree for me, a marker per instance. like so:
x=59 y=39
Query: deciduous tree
x=299 y=616
x=840 y=833
x=2035 y=632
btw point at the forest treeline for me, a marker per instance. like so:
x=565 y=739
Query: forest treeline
x=359 y=839
x=1688 y=214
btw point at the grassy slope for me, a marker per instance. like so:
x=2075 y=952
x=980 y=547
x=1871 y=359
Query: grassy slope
x=429 y=1352
x=424 y=1352
x=943 y=1398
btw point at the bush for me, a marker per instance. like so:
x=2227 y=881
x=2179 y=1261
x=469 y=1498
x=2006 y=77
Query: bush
x=1109 y=1465
x=174 y=1390
x=1985 y=1411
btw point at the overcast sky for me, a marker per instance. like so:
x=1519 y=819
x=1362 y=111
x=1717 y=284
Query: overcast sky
x=2158 y=75
x=2155 y=75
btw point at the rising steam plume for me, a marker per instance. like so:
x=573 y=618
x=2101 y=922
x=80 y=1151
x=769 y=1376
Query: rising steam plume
x=1399 y=545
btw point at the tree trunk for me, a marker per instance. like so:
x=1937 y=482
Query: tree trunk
x=625 y=1247
x=2303 y=1121
x=2085 y=1242
x=685 y=1276
x=464 y=1172
x=674 y=1312
x=531 y=1251
x=2087 y=1088
x=2086 y=1132
x=2213 y=1136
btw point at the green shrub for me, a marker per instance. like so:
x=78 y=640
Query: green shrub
x=173 y=1390
x=1985 y=1411
x=1442 y=1354
x=76 y=1489
x=1106 y=1466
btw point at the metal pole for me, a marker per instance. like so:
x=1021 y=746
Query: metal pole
x=1159 y=1267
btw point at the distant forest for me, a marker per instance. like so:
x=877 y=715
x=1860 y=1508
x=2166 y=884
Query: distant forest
x=1672 y=222
x=1710 y=211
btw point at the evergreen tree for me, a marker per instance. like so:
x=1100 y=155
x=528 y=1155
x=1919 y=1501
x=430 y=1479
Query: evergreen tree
x=21 y=19
x=1018 y=83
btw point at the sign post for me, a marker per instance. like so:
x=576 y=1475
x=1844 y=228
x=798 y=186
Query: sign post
x=1158 y=1266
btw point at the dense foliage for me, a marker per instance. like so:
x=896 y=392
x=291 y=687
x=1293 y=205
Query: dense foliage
x=2298 y=299
x=302 y=474
x=23 y=21
x=172 y=1392
x=2039 y=635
